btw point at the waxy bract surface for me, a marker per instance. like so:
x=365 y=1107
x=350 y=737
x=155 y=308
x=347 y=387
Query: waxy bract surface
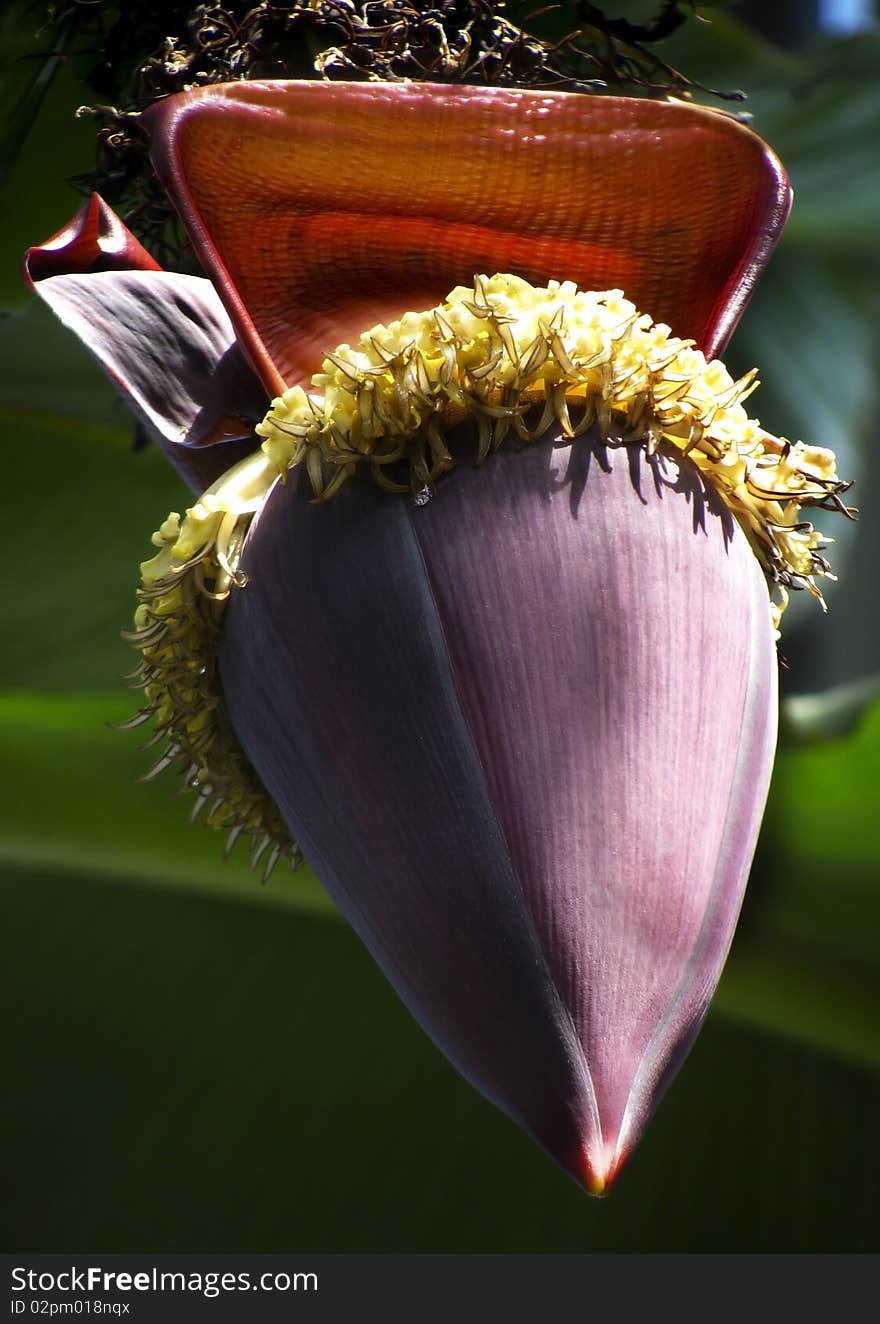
x=523 y=734
x=524 y=731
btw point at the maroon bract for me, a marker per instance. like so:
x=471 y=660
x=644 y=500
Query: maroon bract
x=524 y=735
x=163 y=338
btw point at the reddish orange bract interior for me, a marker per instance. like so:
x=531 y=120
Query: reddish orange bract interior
x=321 y=209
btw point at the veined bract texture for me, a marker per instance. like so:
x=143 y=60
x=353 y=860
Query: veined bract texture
x=523 y=733
x=477 y=618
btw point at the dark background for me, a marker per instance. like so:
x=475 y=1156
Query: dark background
x=196 y=1063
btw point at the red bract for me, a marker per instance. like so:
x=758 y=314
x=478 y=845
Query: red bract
x=319 y=210
x=523 y=726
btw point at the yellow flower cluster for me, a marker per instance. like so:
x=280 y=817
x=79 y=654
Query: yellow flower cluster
x=518 y=361
x=183 y=591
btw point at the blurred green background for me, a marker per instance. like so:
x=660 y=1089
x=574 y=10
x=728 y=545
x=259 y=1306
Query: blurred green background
x=196 y=1062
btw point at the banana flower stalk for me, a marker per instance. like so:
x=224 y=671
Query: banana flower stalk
x=518 y=716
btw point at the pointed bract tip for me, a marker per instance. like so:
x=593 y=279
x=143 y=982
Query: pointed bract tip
x=95 y=239
x=596 y=1185
x=597 y=1173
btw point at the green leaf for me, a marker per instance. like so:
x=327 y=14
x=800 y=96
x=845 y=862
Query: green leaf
x=797 y=991
x=190 y=1075
x=804 y=962
x=824 y=834
x=826 y=132
x=806 y=957
x=70 y=800
x=34 y=199
x=828 y=715
x=84 y=508
x=31 y=54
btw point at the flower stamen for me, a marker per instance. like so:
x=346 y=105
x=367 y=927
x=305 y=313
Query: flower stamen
x=182 y=596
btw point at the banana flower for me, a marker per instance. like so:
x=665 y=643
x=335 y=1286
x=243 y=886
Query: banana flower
x=520 y=715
